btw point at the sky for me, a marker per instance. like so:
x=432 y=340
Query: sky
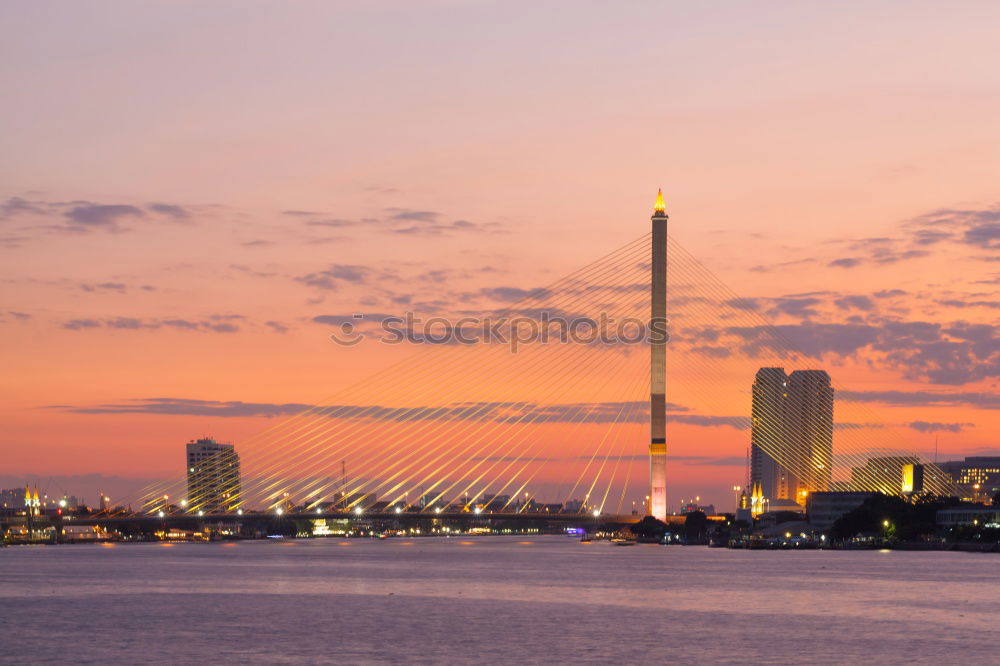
x=193 y=191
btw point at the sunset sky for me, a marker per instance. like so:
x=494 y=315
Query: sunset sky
x=187 y=186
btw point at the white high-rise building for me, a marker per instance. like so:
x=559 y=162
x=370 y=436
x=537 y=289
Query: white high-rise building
x=213 y=476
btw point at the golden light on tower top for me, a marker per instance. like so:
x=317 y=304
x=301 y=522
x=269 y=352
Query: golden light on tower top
x=659 y=208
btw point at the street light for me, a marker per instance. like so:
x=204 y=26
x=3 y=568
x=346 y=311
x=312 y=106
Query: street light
x=357 y=510
x=279 y=511
x=596 y=512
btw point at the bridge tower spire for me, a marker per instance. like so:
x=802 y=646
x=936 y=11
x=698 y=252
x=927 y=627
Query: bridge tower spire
x=658 y=365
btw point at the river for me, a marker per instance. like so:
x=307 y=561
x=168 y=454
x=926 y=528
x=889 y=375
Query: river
x=507 y=600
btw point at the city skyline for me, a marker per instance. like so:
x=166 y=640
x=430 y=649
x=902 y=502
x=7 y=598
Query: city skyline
x=354 y=332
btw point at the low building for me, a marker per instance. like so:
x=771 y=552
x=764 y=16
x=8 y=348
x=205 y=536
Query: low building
x=691 y=507
x=769 y=519
x=787 y=529
x=824 y=508
x=353 y=501
x=73 y=533
x=977 y=478
x=967 y=514
x=778 y=505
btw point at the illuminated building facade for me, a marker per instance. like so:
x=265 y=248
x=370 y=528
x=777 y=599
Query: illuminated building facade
x=768 y=477
x=809 y=427
x=32 y=503
x=757 y=501
x=913 y=478
x=791 y=440
x=977 y=478
x=213 y=476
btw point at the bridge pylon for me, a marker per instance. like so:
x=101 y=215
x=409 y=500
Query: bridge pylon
x=657 y=506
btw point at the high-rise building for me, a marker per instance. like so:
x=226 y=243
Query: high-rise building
x=809 y=424
x=12 y=498
x=772 y=478
x=213 y=476
x=791 y=439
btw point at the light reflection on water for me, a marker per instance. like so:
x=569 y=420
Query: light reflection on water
x=437 y=601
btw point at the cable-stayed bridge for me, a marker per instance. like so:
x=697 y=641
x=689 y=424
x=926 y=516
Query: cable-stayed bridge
x=566 y=403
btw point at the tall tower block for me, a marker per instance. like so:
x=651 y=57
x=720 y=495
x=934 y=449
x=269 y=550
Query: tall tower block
x=658 y=366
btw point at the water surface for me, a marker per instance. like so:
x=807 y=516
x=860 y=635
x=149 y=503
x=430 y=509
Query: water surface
x=492 y=600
